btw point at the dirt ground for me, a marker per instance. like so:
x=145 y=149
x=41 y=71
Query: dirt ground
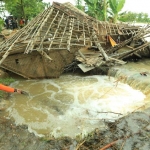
x=128 y=133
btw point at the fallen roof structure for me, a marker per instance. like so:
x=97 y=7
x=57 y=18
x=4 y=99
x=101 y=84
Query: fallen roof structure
x=61 y=34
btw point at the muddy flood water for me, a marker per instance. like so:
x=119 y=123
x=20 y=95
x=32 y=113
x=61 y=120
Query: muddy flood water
x=75 y=105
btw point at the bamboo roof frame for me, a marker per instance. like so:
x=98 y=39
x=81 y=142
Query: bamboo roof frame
x=34 y=29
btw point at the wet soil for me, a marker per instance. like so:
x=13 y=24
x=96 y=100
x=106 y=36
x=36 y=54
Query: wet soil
x=129 y=133
x=14 y=137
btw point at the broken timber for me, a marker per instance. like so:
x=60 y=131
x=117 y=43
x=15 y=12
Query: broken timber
x=63 y=34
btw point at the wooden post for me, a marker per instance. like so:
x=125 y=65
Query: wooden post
x=99 y=46
x=71 y=24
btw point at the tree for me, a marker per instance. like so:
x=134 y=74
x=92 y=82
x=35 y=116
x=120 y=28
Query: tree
x=128 y=17
x=79 y=4
x=146 y=18
x=134 y=17
x=105 y=6
x=115 y=7
x=2 y=8
x=97 y=9
x=1 y=24
x=24 y=8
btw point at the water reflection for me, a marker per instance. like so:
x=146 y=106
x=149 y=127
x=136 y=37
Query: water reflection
x=71 y=105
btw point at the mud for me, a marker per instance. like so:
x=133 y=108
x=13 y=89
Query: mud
x=130 y=132
x=14 y=137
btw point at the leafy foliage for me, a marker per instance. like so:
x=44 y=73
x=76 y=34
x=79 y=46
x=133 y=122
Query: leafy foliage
x=79 y=4
x=115 y=7
x=135 y=17
x=1 y=24
x=97 y=8
x=5 y=81
x=24 y=8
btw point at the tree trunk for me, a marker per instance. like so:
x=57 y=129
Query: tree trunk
x=105 y=10
x=22 y=7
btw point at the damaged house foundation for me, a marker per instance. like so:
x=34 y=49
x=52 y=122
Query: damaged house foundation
x=63 y=34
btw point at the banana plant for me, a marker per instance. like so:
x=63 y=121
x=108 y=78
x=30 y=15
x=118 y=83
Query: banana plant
x=79 y=4
x=97 y=9
x=115 y=7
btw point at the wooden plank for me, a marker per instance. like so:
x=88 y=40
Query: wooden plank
x=85 y=68
x=83 y=34
x=81 y=54
x=134 y=50
x=99 y=46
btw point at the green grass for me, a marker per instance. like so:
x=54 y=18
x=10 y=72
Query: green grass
x=5 y=81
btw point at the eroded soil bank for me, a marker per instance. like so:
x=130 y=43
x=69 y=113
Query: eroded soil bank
x=128 y=133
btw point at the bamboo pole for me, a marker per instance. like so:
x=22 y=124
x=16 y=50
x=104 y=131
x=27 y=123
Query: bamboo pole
x=133 y=51
x=56 y=29
x=99 y=46
x=38 y=29
x=64 y=31
x=71 y=25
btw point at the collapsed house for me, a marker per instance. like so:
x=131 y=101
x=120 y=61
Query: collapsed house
x=63 y=34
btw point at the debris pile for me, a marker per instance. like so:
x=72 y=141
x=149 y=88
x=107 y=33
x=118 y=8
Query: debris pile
x=62 y=34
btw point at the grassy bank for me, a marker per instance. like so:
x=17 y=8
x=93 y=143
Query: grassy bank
x=5 y=81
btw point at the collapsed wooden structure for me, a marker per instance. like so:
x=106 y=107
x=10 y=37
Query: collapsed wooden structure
x=62 y=34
